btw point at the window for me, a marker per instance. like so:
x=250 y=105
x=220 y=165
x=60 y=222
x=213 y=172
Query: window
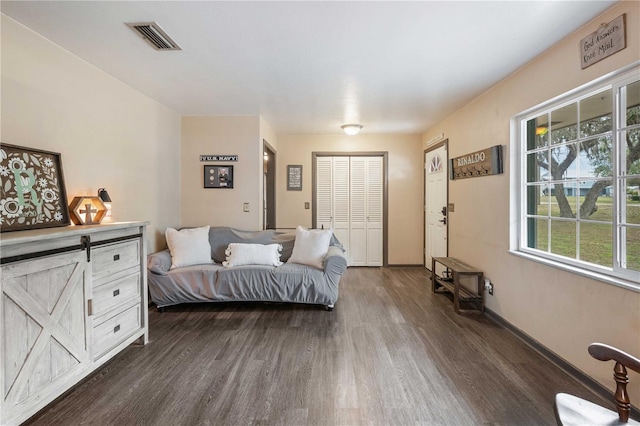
x=580 y=178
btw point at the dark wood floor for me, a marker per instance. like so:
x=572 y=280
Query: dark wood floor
x=390 y=353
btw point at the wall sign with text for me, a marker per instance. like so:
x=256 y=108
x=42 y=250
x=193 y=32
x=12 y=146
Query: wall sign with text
x=218 y=157
x=294 y=178
x=607 y=40
x=480 y=163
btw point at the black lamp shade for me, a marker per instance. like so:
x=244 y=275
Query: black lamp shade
x=104 y=195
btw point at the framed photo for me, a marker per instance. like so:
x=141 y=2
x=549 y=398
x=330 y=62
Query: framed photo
x=32 y=192
x=294 y=178
x=218 y=176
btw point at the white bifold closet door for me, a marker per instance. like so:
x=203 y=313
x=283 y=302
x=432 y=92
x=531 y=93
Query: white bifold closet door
x=349 y=201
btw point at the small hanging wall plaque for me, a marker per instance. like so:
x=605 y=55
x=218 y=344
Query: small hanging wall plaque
x=480 y=163
x=608 y=39
x=294 y=178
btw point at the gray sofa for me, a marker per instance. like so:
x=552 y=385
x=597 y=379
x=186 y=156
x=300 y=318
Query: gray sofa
x=289 y=282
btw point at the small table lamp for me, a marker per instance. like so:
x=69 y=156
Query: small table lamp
x=104 y=196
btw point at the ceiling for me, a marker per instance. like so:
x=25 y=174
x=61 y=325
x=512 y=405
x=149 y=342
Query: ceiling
x=309 y=67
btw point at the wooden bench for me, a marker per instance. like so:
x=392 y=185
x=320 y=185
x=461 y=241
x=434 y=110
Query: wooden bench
x=451 y=283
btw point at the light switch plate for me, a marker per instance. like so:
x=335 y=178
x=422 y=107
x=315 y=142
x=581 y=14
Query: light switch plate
x=450 y=207
x=245 y=207
x=306 y=205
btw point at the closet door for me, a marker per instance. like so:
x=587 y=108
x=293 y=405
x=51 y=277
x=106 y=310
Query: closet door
x=358 y=213
x=374 y=191
x=349 y=200
x=341 y=201
x=324 y=192
x=332 y=196
x=365 y=235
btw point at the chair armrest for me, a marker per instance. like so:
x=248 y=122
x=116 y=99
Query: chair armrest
x=335 y=262
x=603 y=352
x=159 y=263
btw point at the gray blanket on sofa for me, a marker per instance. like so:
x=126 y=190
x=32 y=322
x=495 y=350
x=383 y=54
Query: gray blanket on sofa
x=289 y=282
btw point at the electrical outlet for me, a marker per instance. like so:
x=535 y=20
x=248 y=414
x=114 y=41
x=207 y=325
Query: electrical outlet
x=488 y=285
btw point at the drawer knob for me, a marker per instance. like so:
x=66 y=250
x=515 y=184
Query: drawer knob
x=116 y=292
x=116 y=257
x=116 y=328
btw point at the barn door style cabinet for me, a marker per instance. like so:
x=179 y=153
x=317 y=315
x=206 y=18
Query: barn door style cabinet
x=71 y=299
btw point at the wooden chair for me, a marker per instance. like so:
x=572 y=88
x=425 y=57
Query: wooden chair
x=571 y=410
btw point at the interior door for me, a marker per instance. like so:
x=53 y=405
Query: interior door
x=374 y=211
x=358 y=213
x=435 y=204
x=269 y=187
x=341 y=201
x=350 y=200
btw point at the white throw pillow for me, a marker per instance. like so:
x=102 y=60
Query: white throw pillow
x=311 y=246
x=189 y=246
x=239 y=254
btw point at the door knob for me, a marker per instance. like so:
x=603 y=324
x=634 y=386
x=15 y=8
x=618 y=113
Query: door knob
x=443 y=220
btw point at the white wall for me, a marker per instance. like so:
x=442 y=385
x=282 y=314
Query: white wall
x=563 y=311
x=405 y=185
x=109 y=135
x=215 y=135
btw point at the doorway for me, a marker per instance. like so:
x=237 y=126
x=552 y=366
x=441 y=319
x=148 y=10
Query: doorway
x=269 y=186
x=436 y=206
x=350 y=197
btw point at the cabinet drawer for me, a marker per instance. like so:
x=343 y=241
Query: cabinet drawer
x=115 y=293
x=115 y=330
x=114 y=258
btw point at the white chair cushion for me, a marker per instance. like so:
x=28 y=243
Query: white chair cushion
x=571 y=410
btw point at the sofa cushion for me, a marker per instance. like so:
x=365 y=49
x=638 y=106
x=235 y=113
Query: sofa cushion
x=239 y=254
x=189 y=246
x=311 y=246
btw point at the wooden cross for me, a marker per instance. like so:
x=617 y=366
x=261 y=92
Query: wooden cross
x=88 y=210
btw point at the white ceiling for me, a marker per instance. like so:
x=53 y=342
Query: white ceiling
x=309 y=67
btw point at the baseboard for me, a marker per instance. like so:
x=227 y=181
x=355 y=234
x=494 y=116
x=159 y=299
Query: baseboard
x=587 y=381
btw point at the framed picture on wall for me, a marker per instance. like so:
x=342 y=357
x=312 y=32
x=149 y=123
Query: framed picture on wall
x=32 y=192
x=294 y=177
x=218 y=176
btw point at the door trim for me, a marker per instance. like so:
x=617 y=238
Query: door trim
x=385 y=191
x=271 y=176
x=444 y=143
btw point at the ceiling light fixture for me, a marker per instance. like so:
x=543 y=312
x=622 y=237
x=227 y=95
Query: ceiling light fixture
x=351 y=129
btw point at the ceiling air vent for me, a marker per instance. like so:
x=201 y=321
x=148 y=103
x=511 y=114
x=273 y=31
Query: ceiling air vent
x=154 y=35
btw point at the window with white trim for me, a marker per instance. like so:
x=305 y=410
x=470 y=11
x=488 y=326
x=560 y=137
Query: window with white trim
x=580 y=178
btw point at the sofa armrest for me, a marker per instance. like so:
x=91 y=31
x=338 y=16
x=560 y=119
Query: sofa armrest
x=335 y=263
x=159 y=263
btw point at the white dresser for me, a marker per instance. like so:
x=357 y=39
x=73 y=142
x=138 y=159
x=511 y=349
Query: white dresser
x=71 y=299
